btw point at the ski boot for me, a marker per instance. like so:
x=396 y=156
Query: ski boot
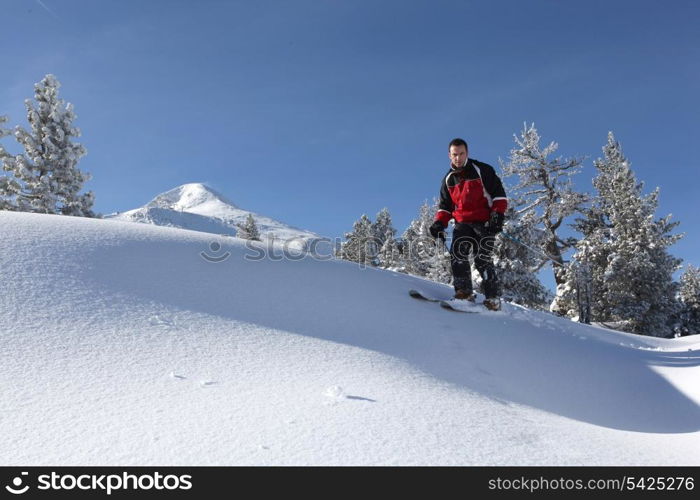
x=465 y=295
x=493 y=304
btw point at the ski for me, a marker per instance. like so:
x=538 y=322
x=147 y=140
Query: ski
x=416 y=294
x=452 y=305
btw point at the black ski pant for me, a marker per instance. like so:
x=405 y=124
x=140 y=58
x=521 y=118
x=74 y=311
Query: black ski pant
x=471 y=238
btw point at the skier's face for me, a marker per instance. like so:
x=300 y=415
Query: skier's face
x=458 y=155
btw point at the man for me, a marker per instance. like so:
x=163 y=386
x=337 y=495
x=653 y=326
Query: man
x=473 y=195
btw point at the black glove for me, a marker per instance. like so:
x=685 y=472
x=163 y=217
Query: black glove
x=495 y=224
x=437 y=230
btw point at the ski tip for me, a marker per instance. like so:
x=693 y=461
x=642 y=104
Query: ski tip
x=417 y=295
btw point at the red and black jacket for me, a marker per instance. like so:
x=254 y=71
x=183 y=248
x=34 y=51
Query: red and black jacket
x=470 y=193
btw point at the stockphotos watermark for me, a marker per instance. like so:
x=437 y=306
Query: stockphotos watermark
x=275 y=249
x=367 y=252
x=18 y=486
x=105 y=483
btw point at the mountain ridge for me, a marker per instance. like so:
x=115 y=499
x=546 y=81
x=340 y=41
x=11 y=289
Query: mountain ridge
x=198 y=207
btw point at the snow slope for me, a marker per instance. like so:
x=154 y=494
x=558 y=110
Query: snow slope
x=121 y=345
x=198 y=207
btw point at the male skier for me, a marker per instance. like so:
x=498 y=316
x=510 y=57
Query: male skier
x=473 y=195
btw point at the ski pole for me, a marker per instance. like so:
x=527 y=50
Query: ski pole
x=444 y=247
x=516 y=240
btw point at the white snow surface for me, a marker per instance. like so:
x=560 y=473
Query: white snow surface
x=198 y=207
x=121 y=345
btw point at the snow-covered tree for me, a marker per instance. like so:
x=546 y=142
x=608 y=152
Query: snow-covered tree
x=248 y=230
x=46 y=177
x=517 y=258
x=421 y=254
x=624 y=250
x=385 y=239
x=8 y=185
x=545 y=191
x=574 y=296
x=3 y=130
x=419 y=249
x=690 y=299
x=389 y=253
x=360 y=245
x=439 y=268
x=382 y=227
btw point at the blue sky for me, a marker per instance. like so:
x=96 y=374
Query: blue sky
x=314 y=112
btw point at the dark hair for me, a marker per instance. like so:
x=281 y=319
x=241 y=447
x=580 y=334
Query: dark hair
x=458 y=142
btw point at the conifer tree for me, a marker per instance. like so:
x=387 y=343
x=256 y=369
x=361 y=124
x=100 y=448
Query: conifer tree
x=389 y=253
x=517 y=258
x=8 y=186
x=419 y=247
x=384 y=236
x=383 y=227
x=439 y=268
x=630 y=272
x=248 y=230
x=359 y=245
x=690 y=299
x=3 y=131
x=545 y=191
x=46 y=177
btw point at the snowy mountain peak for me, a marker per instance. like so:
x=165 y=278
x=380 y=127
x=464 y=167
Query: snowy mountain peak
x=198 y=207
x=188 y=196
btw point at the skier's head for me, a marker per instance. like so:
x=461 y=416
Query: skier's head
x=458 y=152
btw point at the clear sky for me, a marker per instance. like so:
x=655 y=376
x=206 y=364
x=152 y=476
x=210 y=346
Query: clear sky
x=316 y=111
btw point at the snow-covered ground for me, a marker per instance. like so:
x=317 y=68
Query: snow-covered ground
x=120 y=344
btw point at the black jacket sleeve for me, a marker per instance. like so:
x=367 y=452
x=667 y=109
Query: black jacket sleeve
x=445 y=206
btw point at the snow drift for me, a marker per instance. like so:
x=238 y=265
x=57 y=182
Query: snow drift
x=132 y=344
